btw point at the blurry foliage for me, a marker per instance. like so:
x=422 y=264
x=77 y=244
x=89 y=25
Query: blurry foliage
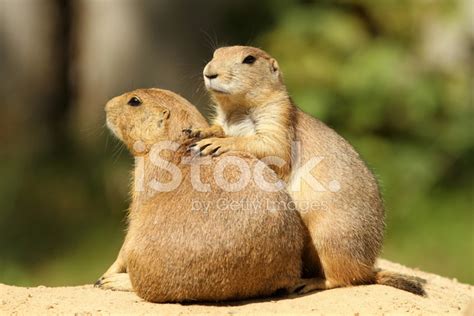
x=391 y=76
x=363 y=68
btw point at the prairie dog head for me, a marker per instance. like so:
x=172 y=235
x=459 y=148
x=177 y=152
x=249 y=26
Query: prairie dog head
x=144 y=117
x=242 y=73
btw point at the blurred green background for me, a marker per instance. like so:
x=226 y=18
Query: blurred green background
x=393 y=77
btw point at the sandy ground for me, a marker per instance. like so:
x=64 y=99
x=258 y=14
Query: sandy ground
x=444 y=296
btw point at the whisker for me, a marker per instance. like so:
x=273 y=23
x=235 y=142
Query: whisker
x=209 y=40
x=251 y=39
x=106 y=142
x=119 y=151
x=88 y=132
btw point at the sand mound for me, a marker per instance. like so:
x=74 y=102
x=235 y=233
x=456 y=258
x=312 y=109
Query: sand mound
x=443 y=296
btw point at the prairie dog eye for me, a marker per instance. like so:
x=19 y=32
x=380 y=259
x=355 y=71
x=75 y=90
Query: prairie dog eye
x=134 y=101
x=249 y=60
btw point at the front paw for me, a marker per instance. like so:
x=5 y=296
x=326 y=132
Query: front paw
x=211 y=146
x=211 y=131
x=193 y=132
x=115 y=282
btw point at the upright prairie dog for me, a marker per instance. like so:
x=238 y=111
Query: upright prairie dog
x=340 y=204
x=197 y=244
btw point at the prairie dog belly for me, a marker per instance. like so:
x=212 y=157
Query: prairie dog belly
x=237 y=124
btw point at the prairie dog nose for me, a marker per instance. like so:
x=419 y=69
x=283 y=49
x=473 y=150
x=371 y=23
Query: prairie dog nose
x=211 y=76
x=110 y=104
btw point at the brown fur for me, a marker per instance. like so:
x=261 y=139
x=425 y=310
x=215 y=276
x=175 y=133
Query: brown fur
x=173 y=253
x=257 y=115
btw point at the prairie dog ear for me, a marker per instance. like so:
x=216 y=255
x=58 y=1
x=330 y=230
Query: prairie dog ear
x=165 y=114
x=275 y=67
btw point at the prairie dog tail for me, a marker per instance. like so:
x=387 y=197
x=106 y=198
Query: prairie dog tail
x=400 y=281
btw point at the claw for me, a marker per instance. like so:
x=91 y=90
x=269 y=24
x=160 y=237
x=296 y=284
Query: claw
x=98 y=282
x=115 y=282
x=204 y=147
x=212 y=153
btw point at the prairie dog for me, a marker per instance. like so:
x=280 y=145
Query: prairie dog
x=175 y=251
x=255 y=114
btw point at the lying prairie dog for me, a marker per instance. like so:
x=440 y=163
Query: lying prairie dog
x=182 y=243
x=255 y=114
